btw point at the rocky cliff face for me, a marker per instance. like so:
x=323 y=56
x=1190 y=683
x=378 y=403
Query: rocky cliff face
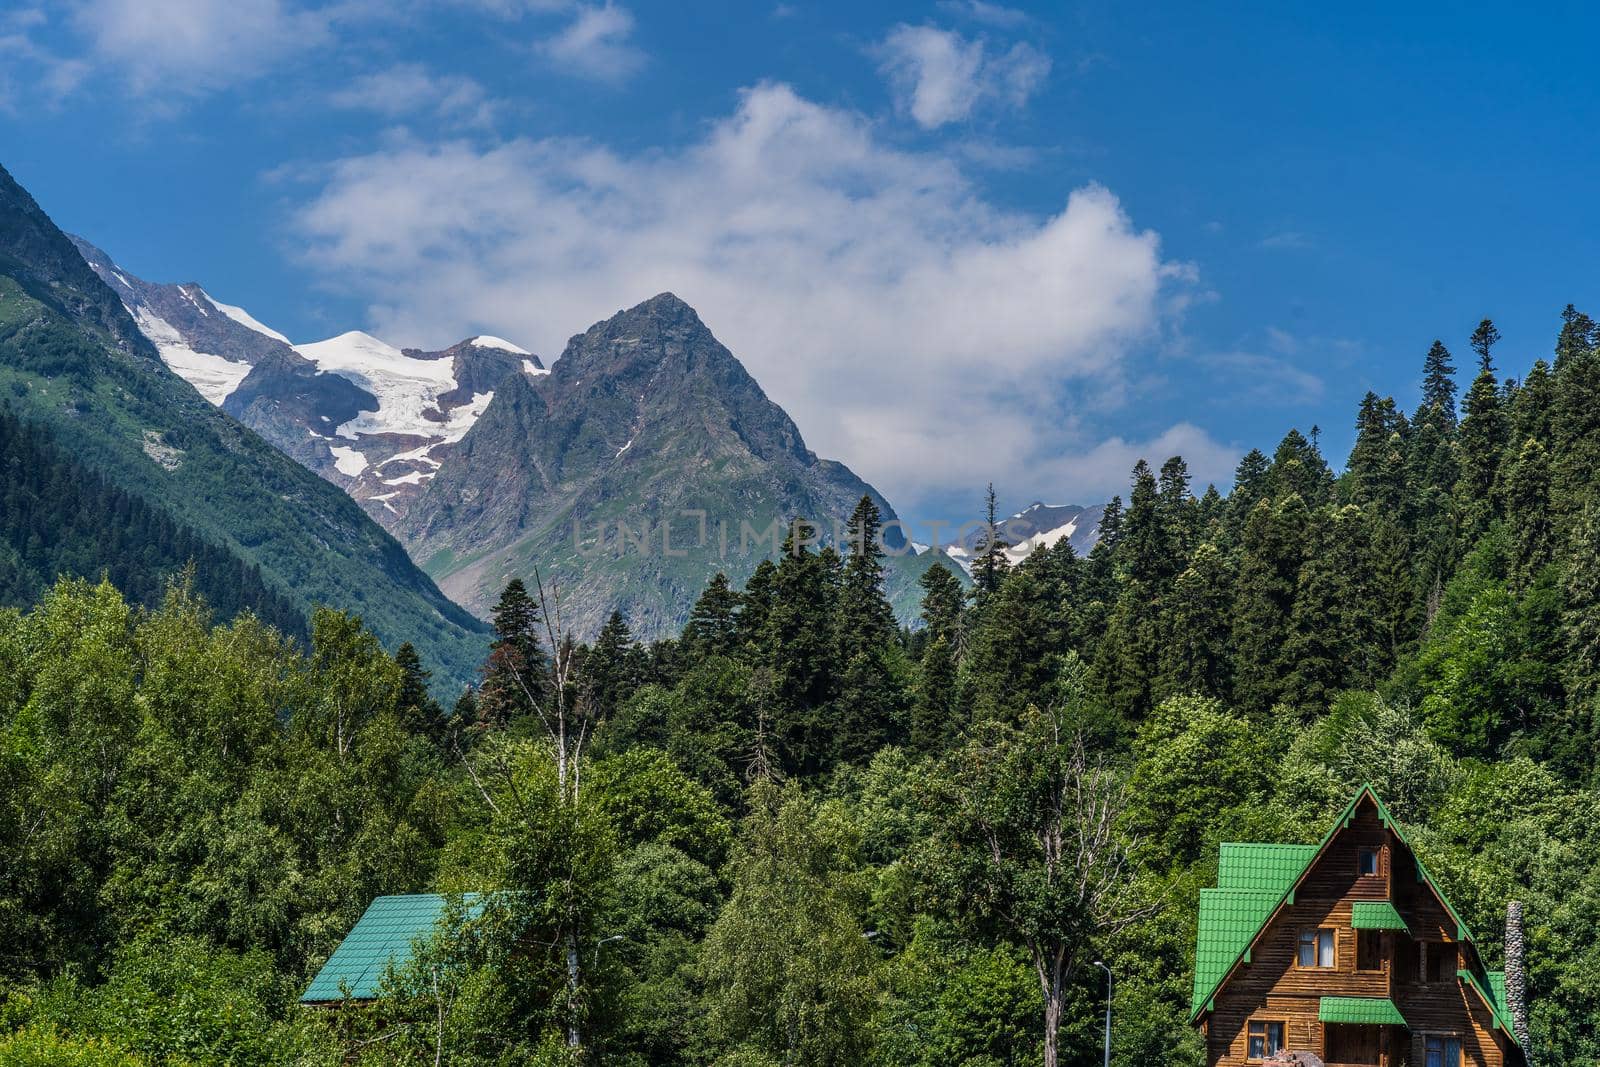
x=651 y=441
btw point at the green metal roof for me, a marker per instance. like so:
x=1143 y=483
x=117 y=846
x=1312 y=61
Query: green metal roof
x=387 y=931
x=1494 y=998
x=1369 y=1010
x=1229 y=918
x=1376 y=915
x=1268 y=868
x=1497 y=988
x=1246 y=863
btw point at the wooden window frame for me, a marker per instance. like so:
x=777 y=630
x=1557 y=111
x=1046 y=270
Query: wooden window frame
x=1266 y=1037
x=1317 y=965
x=1377 y=861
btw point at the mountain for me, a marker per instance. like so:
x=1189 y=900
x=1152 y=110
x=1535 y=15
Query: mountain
x=1035 y=526
x=73 y=359
x=374 y=419
x=650 y=431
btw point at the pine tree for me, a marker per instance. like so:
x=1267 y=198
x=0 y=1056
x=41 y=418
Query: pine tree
x=515 y=675
x=1484 y=338
x=1439 y=383
x=713 y=626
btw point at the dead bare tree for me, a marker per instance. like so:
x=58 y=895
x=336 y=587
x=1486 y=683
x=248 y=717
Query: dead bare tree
x=553 y=696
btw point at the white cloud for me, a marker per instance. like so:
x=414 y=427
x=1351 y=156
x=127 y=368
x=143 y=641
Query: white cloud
x=187 y=47
x=410 y=88
x=993 y=14
x=874 y=293
x=938 y=76
x=595 y=44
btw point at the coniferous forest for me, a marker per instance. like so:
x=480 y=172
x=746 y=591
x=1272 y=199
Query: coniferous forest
x=802 y=834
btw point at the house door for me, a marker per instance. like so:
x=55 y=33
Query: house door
x=1353 y=1044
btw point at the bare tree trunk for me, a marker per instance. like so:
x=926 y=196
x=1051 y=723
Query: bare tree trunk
x=573 y=1039
x=1052 y=1025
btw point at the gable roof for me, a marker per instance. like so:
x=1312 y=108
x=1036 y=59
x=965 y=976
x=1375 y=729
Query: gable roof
x=1247 y=872
x=387 y=932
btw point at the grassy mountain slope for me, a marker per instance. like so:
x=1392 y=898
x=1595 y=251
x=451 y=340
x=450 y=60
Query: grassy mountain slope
x=72 y=358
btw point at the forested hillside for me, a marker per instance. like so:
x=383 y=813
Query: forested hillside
x=799 y=834
x=58 y=517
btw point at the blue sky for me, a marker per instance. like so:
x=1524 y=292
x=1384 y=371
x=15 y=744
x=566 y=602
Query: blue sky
x=957 y=241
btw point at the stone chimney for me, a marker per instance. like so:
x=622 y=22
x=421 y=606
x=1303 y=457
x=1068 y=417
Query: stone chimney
x=1517 y=976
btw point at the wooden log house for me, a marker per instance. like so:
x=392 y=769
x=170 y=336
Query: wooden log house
x=1346 y=950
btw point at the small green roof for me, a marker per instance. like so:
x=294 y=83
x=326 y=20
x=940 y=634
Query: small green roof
x=1368 y=1010
x=1376 y=915
x=387 y=932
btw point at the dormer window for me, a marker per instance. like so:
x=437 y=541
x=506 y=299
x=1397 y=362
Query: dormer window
x=1367 y=863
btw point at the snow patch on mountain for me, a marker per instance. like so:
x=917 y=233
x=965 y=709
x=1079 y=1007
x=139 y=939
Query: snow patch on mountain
x=244 y=318
x=348 y=461
x=214 y=377
x=484 y=340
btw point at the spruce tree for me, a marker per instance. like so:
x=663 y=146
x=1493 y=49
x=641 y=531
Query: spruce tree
x=1484 y=338
x=1482 y=441
x=1526 y=505
x=942 y=604
x=1298 y=468
x=868 y=705
x=419 y=713
x=755 y=606
x=1333 y=642
x=515 y=675
x=800 y=642
x=1439 y=383
x=1194 y=647
x=933 y=712
x=713 y=626
x=990 y=567
x=1270 y=552
x=611 y=670
x=1178 y=507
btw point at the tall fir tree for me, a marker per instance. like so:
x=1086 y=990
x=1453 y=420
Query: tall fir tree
x=942 y=603
x=1484 y=338
x=612 y=669
x=1481 y=443
x=1332 y=642
x=934 y=726
x=1526 y=505
x=1270 y=553
x=800 y=642
x=1194 y=647
x=868 y=706
x=990 y=567
x=713 y=626
x=1439 y=383
x=515 y=676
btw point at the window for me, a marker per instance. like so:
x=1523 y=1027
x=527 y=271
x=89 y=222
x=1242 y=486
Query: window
x=1367 y=863
x=1265 y=1039
x=1438 y=961
x=1369 y=950
x=1441 y=1051
x=1316 y=948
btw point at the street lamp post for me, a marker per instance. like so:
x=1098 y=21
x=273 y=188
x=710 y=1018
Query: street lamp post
x=1106 y=969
